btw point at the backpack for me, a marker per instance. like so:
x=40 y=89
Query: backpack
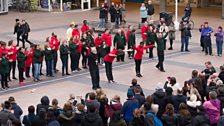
x=157 y=121
x=108 y=111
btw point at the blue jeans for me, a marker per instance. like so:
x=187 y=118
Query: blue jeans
x=49 y=68
x=102 y=23
x=36 y=71
x=219 y=47
x=117 y=21
x=184 y=42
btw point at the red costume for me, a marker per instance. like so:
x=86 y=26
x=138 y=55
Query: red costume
x=144 y=30
x=127 y=34
x=109 y=58
x=12 y=51
x=98 y=41
x=140 y=51
x=54 y=43
x=75 y=32
x=107 y=38
x=85 y=28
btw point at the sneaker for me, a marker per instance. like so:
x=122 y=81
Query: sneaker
x=157 y=67
x=14 y=78
x=170 y=48
x=68 y=74
x=162 y=70
x=140 y=75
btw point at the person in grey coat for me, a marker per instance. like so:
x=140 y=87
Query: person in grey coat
x=7 y=117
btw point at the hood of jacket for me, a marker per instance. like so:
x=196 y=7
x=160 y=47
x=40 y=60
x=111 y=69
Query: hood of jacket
x=215 y=103
x=160 y=93
x=45 y=100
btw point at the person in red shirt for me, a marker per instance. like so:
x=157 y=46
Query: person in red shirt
x=12 y=51
x=79 y=50
x=54 y=45
x=130 y=27
x=29 y=60
x=138 y=57
x=144 y=31
x=108 y=60
x=108 y=39
x=98 y=40
x=75 y=31
x=85 y=27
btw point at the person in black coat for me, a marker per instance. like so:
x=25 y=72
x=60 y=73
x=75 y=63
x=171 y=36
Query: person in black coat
x=102 y=16
x=169 y=96
x=159 y=98
x=92 y=118
x=221 y=74
x=16 y=108
x=25 y=33
x=178 y=99
x=18 y=31
x=93 y=68
x=201 y=119
x=112 y=12
x=44 y=105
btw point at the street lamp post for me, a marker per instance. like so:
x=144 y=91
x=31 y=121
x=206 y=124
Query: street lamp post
x=176 y=23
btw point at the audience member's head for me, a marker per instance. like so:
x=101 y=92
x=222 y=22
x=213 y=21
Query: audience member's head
x=67 y=107
x=31 y=109
x=169 y=109
x=212 y=95
x=92 y=96
x=134 y=82
x=137 y=113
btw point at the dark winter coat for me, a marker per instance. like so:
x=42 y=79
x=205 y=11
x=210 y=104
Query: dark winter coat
x=128 y=107
x=201 y=120
x=66 y=118
x=159 y=98
x=92 y=119
x=29 y=119
x=177 y=100
x=64 y=51
x=43 y=105
x=78 y=118
x=138 y=121
x=140 y=98
x=6 y=115
x=184 y=120
x=150 y=9
x=17 y=110
x=48 y=54
x=119 y=41
x=103 y=13
x=21 y=58
x=4 y=66
x=37 y=56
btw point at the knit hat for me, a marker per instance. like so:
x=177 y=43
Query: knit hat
x=130 y=93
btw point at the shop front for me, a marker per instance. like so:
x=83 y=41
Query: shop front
x=67 y=5
x=3 y=6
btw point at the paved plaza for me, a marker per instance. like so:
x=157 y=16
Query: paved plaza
x=178 y=64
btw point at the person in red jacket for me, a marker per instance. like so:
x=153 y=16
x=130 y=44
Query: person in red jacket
x=29 y=60
x=3 y=49
x=79 y=51
x=75 y=31
x=130 y=28
x=108 y=60
x=144 y=31
x=108 y=39
x=85 y=27
x=54 y=45
x=12 y=52
x=98 y=41
x=138 y=57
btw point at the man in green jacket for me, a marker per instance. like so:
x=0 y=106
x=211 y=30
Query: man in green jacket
x=64 y=51
x=131 y=43
x=120 y=43
x=73 y=54
x=4 y=70
x=21 y=58
x=160 y=40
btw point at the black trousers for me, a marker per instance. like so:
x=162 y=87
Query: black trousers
x=18 y=38
x=120 y=58
x=171 y=43
x=77 y=58
x=151 y=53
x=84 y=58
x=21 y=78
x=25 y=39
x=138 y=66
x=55 y=60
x=12 y=68
x=107 y=50
x=72 y=58
x=131 y=53
x=4 y=81
x=95 y=77
x=144 y=19
x=108 y=67
x=27 y=71
x=208 y=46
x=161 y=59
x=165 y=44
